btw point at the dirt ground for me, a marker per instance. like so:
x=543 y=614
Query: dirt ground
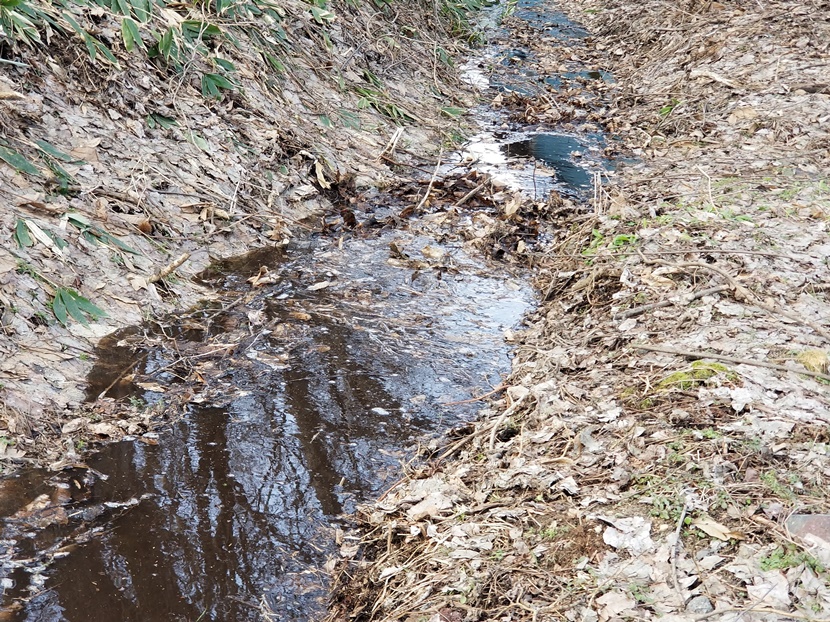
x=661 y=448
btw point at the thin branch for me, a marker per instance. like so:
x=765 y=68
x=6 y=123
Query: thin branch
x=729 y=359
x=679 y=298
x=168 y=269
x=431 y=182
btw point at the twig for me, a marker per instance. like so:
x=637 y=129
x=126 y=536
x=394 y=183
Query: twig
x=470 y=195
x=122 y=375
x=114 y=194
x=749 y=296
x=729 y=359
x=390 y=146
x=674 y=551
x=507 y=412
x=431 y=182
x=498 y=389
x=168 y=269
x=679 y=298
x=14 y=62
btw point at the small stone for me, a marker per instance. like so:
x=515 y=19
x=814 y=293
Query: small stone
x=818 y=525
x=700 y=604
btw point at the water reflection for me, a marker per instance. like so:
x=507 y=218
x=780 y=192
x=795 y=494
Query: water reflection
x=236 y=503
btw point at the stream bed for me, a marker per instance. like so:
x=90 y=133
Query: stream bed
x=329 y=361
x=343 y=361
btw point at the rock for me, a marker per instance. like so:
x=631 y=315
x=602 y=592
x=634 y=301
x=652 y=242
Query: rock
x=818 y=525
x=700 y=604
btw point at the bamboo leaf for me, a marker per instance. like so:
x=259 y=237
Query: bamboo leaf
x=72 y=308
x=55 y=152
x=130 y=34
x=21 y=234
x=106 y=238
x=224 y=64
x=92 y=310
x=452 y=112
x=68 y=303
x=154 y=119
x=18 y=162
x=59 y=308
x=58 y=240
x=143 y=10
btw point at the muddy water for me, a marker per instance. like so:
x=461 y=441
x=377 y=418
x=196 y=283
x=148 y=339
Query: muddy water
x=343 y=361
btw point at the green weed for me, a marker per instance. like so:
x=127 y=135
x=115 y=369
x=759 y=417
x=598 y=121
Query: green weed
x=790 y=557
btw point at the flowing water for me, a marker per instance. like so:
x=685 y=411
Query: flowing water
x=350 y=353
x=327 y=393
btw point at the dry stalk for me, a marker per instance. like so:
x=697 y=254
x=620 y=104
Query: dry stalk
x=431 y=182
x=169 y=268
x=730 y=359
x=677 y=299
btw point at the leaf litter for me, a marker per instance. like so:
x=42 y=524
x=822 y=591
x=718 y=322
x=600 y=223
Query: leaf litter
x=661 y=447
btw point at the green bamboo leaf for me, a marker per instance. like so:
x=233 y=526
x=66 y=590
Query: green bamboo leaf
x=104 y=50
x=106 y=238
x=209 y=88
x=21 y=234
x=88 y=40
x=78 y=220
x=130 y=34
x=143 y=10
x=18 y=162
x=92 y=310
x=72 y=308
x=224 y=64
x=58 y=240
x=55 y=152
x=213 y=82
x=452 y=112
x=154 y=119
x=59 y=308
x=200 y=142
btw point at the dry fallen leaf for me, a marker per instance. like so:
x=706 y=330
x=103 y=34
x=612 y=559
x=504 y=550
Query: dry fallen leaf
x=716 y=530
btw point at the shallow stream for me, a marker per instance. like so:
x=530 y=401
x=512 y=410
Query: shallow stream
x=349 y=353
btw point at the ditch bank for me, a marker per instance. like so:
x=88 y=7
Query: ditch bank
x=660 y=450
x=143 y=142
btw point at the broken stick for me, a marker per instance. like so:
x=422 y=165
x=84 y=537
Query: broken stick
x=730 y=359
x=168 y=269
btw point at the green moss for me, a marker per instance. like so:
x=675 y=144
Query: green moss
x=698 y=373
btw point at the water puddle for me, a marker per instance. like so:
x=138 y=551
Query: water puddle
x=544 y=160
x=322 y=381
